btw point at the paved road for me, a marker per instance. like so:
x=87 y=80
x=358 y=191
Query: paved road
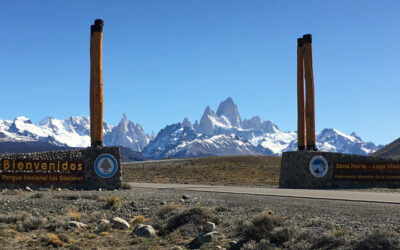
x=363 y=196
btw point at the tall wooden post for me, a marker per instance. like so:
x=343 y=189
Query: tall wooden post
x=310 y=103
x=96 y=83
x=301 y=129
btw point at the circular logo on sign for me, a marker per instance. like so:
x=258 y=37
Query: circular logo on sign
x=318 y=166
x=105 y=165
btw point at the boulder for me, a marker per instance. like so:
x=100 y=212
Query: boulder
x=119 y=223
x=209 y=227
x=103 y=225
x=76 y=224
x=142 y=230
x=207 y=237
x=204 y=238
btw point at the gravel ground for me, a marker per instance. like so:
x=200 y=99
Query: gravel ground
x=29 y=220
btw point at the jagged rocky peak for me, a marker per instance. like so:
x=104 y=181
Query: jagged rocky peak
x=20 y=124
x=253 y=123
x=208 y=111
x=45 y=121
x=22 y=119
x=186 y=123
x=356 y=136
x=196 y=125
x=124 y=122
x=229 y=109
x=256 y=124
x=127 y=134
x=207 y=122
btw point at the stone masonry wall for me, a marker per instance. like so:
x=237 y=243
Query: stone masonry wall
x=90 y=179
x=295 y=172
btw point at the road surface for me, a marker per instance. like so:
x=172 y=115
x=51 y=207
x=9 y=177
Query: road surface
x=344 y=195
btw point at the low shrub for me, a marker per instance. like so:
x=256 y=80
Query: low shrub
x=13 y=218
x=280 y=235
x=327 y=241
x=168 y=210
x=126 y=185
x=113 y=202
x=221 y=209
x=379 y=240
x=254 y=245
x=339 y=233
x=92 y=196
x=37 y=195
x=12 y=191
x=52 y=239
x=73 y=213
x=261 y=227
x=57 y=224
x=197 y=215
x=30 y=223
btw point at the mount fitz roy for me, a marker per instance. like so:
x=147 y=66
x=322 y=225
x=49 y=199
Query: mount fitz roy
x=217 y=134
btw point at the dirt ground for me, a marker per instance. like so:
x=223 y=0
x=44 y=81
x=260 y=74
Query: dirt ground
x=39 y=220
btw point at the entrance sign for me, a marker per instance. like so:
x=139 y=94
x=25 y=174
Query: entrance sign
x=316 y=170
x=105 y=165
x=72 y=169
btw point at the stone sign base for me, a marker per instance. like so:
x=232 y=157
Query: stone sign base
x=90 y=168
x=324 y=170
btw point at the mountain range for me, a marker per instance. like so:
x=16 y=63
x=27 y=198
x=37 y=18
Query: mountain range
x=215 y=134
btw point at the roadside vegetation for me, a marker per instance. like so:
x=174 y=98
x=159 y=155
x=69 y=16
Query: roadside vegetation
x=227 y=170
x=140 y=219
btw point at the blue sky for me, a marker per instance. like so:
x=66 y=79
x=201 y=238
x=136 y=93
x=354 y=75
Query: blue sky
x=167 y=60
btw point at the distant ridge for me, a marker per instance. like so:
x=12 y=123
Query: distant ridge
x=221 y=133
x=390 y=151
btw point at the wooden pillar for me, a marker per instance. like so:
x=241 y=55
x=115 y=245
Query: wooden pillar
x=310 y=103
x=96 y=83
x=301 y=129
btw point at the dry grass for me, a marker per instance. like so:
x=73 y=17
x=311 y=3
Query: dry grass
x=73 y=213
x=226 y=170
x=113 y=202
x=140 y=219
x=52 y=239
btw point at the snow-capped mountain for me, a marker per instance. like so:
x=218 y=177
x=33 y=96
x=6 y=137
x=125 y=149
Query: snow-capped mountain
x=224 y=133
x=72 y=132
x=181 y=140
x=332 y=140
x=127 y=134
x=220 y=133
